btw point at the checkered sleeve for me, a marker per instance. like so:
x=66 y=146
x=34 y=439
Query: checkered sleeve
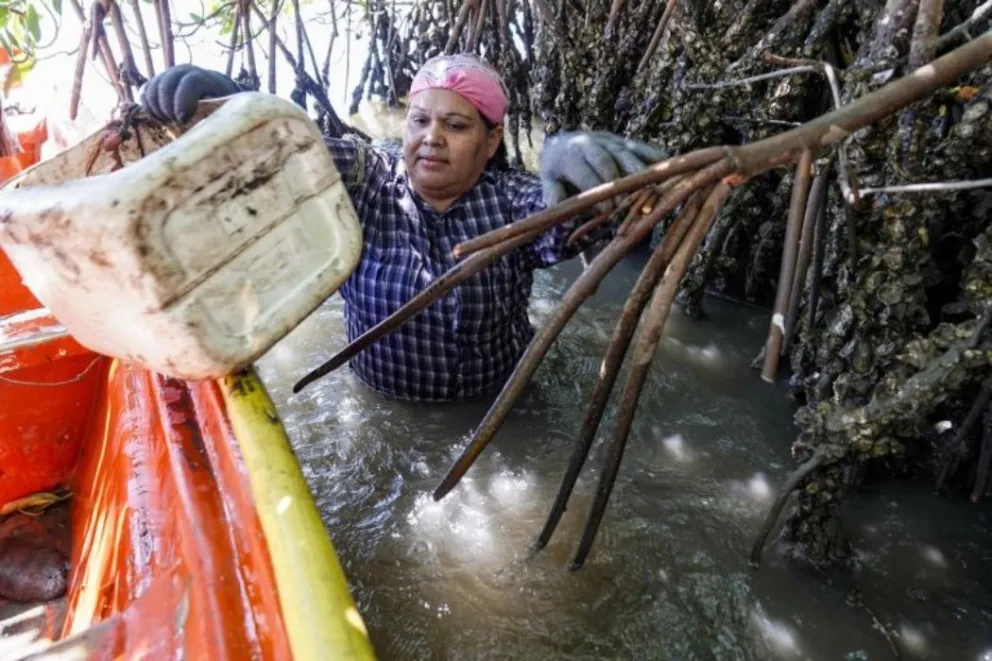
x=363 y=168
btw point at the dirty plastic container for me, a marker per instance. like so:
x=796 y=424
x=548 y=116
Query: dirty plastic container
x=197 y=257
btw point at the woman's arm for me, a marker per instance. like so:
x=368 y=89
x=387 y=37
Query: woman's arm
x=172 y=96
x=364 y=169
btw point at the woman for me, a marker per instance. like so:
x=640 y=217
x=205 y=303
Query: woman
x=451 y=184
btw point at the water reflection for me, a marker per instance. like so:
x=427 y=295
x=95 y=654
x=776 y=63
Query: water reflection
x=667 y=578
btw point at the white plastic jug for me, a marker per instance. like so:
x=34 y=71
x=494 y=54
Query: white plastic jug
x=202 y=251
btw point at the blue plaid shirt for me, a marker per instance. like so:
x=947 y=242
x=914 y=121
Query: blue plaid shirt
x=467 y=343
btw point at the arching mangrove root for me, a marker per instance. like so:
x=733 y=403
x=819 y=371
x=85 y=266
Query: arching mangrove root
x=613 y=359
x=580 y=290
x=792 y=482
x=814 y=209
x=644 y=352
x=722 y=167
x=797 y=210
x=957 y=447
x=982 y=479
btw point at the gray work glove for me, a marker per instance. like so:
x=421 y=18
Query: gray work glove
x=172 y=95
x=575 y=162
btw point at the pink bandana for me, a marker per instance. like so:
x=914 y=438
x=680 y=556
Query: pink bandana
x=468 y=77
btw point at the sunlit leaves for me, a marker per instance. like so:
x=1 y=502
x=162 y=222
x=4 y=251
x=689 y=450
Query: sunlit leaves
x=33 y=22
x=21 y=34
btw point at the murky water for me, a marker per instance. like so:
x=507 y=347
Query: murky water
x=667 y=577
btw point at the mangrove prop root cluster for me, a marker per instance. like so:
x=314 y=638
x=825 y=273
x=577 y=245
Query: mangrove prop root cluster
x=709 y=175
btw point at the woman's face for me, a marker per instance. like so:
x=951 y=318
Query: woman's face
x=446 y=145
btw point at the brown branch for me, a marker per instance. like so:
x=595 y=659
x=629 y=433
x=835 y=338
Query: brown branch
x=832 y=127
x=791 y=484
x=615 y=352
x=130 y=66
x=984 y=460
x=645 y=347
x=97 y=14
x=631 y=203
x=545 y=12
x=326 y=70
x=301 y=33
x=817 y=198
x=923 y=47
x=893 y=29
x=824 y=68
x=106 y=56
x=931 y=187
x=957 y=447
x=233 y=43
x=795 y=13
x=319 y=93
x=615 y=8
x=580 y=203
x=505 y=37
x=143 y=35
x=741 y=162
x=298 y=20
x=77 y=81
x=581 y=289
x=583 y=230
x=247 y=40
x=753 y=79
x=980 y=13
x=656 y=37
x=643 y=202
x=165 y=26
x=819 y=252
x=476 y=32
x=844 y=178
x=456 y=31
x=790 y=249
x=272 y=47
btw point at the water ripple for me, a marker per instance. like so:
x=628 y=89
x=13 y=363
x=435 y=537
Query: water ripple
x=666 y=578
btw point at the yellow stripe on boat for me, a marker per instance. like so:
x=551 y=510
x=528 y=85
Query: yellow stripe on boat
x=320 y=615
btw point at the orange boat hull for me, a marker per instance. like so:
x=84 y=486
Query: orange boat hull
x=192 y=532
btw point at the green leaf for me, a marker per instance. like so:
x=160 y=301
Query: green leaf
x=17 y=73
x=5 y=42
x=13 y=39
x=13 y=76
x=26 y=66
x=196 y=17
x=3 y=16
x=15 y=30
x=34 y=22
x=57 y=4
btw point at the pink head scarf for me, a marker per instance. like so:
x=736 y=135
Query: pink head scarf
x=468 y=77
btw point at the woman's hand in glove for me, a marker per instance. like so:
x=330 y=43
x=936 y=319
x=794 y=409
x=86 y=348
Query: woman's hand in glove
x=172 y=95
x=575 y=162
